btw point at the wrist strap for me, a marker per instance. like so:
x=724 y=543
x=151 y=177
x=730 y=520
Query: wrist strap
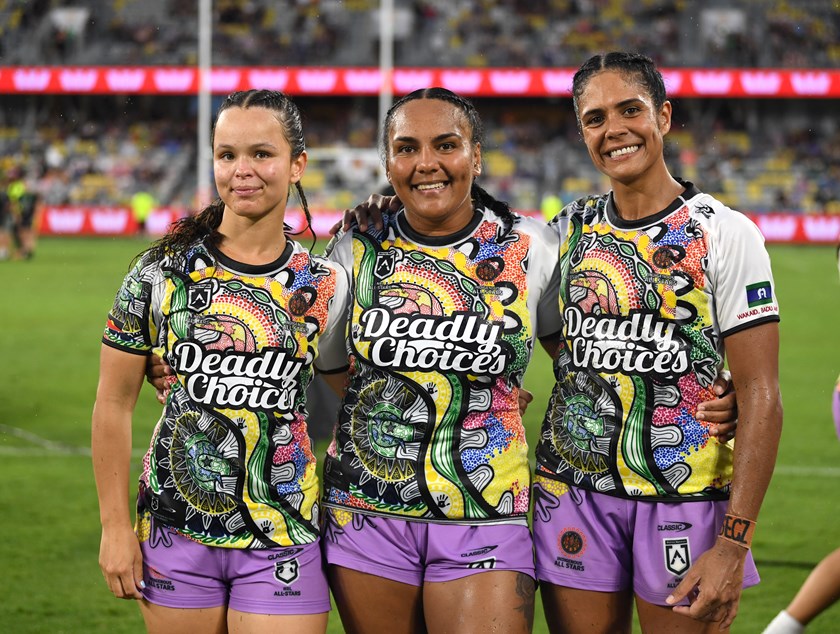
x=738 y=530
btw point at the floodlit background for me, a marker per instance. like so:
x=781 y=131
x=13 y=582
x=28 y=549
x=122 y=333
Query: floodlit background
x=88 y=120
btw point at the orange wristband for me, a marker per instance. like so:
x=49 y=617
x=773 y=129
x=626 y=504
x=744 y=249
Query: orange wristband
x=738 y=530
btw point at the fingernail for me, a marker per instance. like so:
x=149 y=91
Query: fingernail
x=143 y=584
x=670 y=599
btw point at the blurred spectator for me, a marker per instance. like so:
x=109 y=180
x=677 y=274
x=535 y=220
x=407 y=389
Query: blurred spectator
x=768 y=33
x=5 y=221
x=757 y=155
x=22 y=199
x=142 y=205
x=768 y=156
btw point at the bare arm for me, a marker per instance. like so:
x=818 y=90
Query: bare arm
x=753 y=356
x=120 y=379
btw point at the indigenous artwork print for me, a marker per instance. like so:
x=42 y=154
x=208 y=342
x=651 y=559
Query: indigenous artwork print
x=230 y=462
x=642 y=346
x=439 y=342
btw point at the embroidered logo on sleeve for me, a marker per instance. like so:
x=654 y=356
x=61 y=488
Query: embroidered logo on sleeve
x=759 y=294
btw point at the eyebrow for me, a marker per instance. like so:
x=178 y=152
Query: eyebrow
x=438 y=138
x=254 y=146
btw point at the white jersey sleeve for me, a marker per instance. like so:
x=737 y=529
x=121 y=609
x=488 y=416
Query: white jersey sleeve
x=332 y=346
x=545 y=251
x=739 y=274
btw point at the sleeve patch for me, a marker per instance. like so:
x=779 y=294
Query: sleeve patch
x=759 y=294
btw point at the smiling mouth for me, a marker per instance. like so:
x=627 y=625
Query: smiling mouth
x=424 y=187
x=630 y=149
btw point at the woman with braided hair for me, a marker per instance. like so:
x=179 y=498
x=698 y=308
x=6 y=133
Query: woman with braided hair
x=634 y=499
x=426 y=486
x=226 y=535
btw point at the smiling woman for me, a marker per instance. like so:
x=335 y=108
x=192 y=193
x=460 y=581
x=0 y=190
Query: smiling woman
x=432 y=165
x=634 y=499
x=427 y=483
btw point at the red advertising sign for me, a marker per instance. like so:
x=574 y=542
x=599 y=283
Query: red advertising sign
x=484 y=82
x=110 y=221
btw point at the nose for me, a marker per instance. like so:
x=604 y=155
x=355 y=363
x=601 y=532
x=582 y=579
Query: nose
x=427 y=160
x=243 y=166
x=615 y=126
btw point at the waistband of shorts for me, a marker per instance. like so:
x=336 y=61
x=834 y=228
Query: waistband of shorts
x=716 y=496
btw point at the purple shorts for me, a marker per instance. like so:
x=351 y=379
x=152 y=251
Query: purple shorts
x=592 y=541
x=415 y=552
x=181 y=573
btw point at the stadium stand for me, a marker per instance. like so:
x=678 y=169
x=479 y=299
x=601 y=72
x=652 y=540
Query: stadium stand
x=759 y=155
x=463 y=33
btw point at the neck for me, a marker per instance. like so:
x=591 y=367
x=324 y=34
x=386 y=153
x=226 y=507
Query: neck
x=451 y=223
x=638 y=200
x=251 y=242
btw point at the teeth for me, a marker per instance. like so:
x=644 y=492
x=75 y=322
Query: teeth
x=431 y=186
x=624 y=150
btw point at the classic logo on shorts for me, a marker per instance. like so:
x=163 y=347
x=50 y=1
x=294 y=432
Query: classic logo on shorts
x=479 y=551
x=287 y=571
x=677 y=555
x=283 y=554
x=674 y=527
x=572 y=542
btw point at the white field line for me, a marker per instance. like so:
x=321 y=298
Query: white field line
x=41 y=447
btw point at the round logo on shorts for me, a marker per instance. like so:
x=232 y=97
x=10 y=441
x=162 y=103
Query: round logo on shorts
x=572 y=542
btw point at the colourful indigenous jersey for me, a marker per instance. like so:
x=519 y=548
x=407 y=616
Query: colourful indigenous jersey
x=441 y=332
x=230 y=462
x=646 y=306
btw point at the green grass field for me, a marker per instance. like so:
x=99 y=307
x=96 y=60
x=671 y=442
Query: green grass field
x=52 y=313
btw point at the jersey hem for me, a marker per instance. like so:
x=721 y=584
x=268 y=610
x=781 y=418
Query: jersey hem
x=638 y=498
x=511 y=519
x=145 y=513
